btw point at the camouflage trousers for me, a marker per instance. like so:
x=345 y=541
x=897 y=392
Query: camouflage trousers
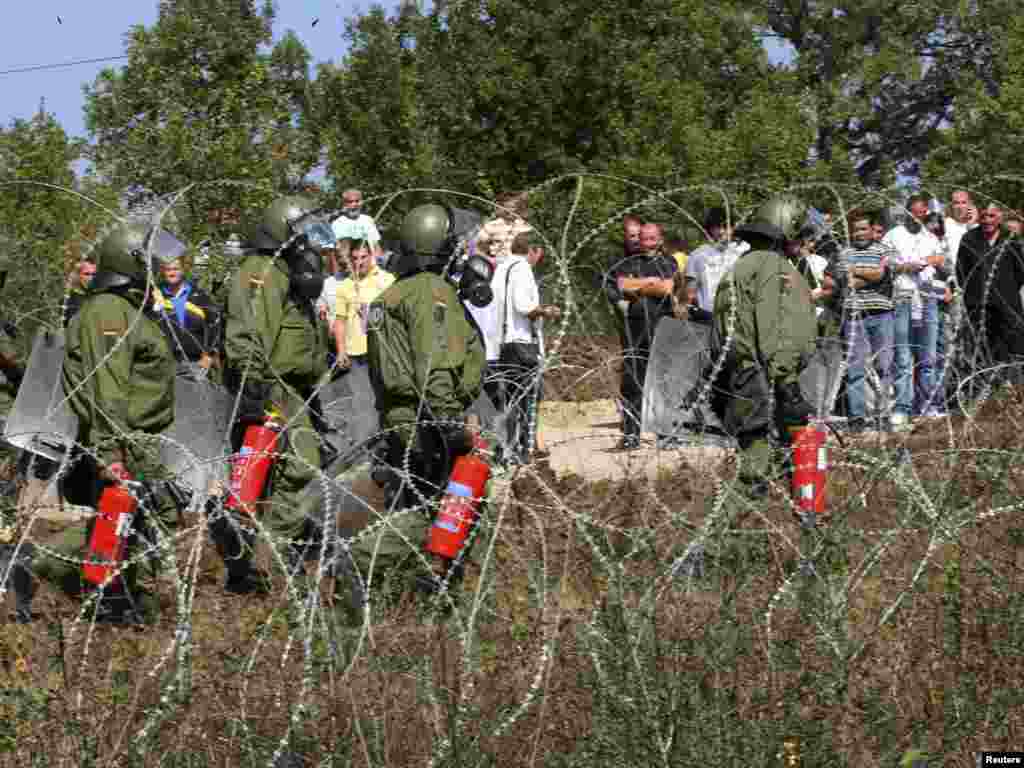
x=56 y=558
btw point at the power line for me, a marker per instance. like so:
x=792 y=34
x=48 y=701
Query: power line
x=58 y=66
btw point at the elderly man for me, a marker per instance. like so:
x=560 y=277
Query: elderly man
x=640 y=287
x=496 y=235
x=354 y=225
x=990 y=272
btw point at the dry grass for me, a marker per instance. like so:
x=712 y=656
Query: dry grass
x=572 y=646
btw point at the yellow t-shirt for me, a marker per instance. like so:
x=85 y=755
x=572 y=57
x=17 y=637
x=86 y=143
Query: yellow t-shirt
x=681 y=258
x=354 y=299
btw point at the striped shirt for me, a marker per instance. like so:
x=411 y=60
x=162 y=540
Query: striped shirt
x=873 y=298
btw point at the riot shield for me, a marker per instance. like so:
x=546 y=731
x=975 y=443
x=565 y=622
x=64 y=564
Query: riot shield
x=819 y=381
x=492 y=422
x=192 y=448
x=346 y=485
x=680 y=354
x=41 y=420
x=349 y=410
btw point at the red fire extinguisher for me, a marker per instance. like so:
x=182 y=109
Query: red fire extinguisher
x=460 y=505
x=109 y=539
x=251 y=466
x=810 y=467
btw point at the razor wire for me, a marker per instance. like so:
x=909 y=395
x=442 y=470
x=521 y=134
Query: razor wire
x=297 y=605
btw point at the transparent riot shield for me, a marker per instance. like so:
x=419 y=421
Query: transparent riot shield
x=40 y=420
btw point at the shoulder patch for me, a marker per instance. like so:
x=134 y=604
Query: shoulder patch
x=375 y=316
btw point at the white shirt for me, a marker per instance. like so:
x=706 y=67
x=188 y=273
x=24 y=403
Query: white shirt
x=329 y=298
x=817 y=263
x=523 y=297
x=489 y=322
x=911 y=249
x=708 y=265
x=954 y=233
x=362 y=228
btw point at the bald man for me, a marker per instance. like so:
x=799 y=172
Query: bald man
x=637 y=288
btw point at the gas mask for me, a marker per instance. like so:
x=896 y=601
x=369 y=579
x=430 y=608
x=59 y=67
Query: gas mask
x=304 y=256
x=474 y=283
x=913 y=225
x=352 y=213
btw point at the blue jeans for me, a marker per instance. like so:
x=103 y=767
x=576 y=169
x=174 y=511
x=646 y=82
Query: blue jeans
x=868 y=335
x=940 y=374
x=903 y=358
x=924 y=343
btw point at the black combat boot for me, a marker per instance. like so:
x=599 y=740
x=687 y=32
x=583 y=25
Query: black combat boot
x=235 y=546
x=20 y=580
x=791 y=408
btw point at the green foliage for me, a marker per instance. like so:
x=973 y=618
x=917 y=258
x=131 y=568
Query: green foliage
x=981 y=149
x=880 y=78
x=44 y=216
x=199 y=101
x=484 y=97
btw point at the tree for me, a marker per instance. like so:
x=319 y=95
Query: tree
x=883 y=77
x=43 y=215
x=981 y=149
x=198 y=101
x=500 y=94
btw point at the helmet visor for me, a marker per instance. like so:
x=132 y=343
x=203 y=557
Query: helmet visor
x=319 y=233
x=165 y=247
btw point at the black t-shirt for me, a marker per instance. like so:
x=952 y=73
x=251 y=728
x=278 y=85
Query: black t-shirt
x=645 y=312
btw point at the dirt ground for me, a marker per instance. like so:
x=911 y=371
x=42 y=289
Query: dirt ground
x=547 y=585
x=582 y=439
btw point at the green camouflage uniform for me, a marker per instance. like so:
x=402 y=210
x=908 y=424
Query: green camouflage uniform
x=273 y=339
x=8 y=391
x=426 y=364
x=763 y=311
x=119 y=376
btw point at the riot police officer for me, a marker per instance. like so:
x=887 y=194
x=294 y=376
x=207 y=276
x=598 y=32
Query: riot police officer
x=764 y=324
x=276 y=352
x=118 y=376
x=10 y=366
x=426 y=361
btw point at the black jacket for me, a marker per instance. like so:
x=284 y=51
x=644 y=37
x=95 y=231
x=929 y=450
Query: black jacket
x=974 y=263
x=73 y=304
x=644 y=312
x=200 y=333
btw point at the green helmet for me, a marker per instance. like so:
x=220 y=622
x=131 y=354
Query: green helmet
x=132 y=253
x=6 y=248
x=779 y=218
x=279 y=222
x=430 y=235
x=425 y=229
